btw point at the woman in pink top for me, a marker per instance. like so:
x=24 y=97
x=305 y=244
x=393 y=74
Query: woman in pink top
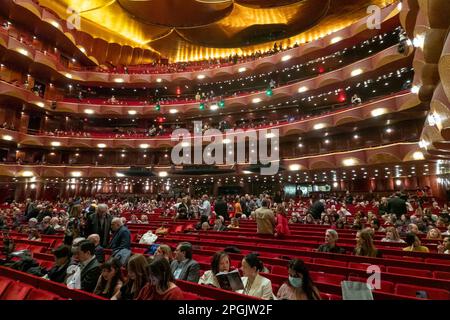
x=282 y=228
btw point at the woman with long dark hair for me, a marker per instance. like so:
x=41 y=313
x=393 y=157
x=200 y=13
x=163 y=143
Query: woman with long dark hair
x=161 y=285
x=300 y=285
x=110 y=281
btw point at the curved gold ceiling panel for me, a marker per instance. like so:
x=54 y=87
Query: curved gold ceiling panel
x=266 y=3
x=246 y=26
x=183 y=30
x=177 y=13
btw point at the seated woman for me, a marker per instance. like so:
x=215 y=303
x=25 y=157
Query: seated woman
x=392 y=235
x=234 y=224
x=34 y=235
x=254 y=284
x=161 y=284
x=414 y=244
x=165 y=252
x=144 y=219
x=434 y=234
x=300 y=285
x=220 y=263
x=137 y=269
x=364 y=244
x=282 y=228
x=110 y=281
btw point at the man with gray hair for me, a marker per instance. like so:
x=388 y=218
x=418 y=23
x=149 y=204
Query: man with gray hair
x=121 y=241
x=100 y=223
x=331 y=237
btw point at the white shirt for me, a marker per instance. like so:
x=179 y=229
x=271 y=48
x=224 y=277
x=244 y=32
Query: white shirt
x=73 y=280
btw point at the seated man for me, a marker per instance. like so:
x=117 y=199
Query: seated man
x=445 y=246
x=85 y=275
x=331 y=237
x=121 y=241
x=184 y=267
x=62 y=260
x=99 y=251
x=413 y=242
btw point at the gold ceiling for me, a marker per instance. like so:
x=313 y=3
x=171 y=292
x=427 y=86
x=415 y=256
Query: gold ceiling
x=196 y=29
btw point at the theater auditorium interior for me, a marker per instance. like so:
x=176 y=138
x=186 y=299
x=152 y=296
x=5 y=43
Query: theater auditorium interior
x=237 y=150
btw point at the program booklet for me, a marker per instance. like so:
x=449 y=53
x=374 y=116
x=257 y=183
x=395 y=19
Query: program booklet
x=230 y=280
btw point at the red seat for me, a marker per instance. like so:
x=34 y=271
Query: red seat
x=36 y=294
x=386 y=286
x=16 y=291
x=326 y=277
x=329 y=262
x=432 y=293
x=329 y=296
x=411 y=272
x=438 y=261
x=190 y=296
x=4 y=284
x=363 y=266
x=441 y=275
x=282 y=271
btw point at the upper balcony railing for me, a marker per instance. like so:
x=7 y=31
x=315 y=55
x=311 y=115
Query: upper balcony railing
x=391 y=104
x=342 y=76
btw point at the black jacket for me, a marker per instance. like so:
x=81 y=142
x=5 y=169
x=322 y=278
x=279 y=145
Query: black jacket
x=94 y=227
x=58 y=274
x=316 y=209
x=221 y=209
x=397 y=206
x=90 y=275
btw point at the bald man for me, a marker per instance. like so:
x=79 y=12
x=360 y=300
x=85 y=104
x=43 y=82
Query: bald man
x=99 y=251
x=121 y=241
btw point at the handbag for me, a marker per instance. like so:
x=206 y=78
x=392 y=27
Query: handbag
x=355 y=290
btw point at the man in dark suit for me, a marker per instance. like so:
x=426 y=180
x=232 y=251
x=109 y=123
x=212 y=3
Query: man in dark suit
x=100 y=223
x=89 y=266
x=397 y=205
x=221 y=208
x=184 y=267
x=121 y=241
x=58 y=272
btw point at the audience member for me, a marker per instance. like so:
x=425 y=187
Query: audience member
x=282 y=228
x=58 y=272
x=121 y=241
x=137 y=278
x=184 y=267
x=164 y=251
x=254 y=284
x=110 y=280
x=392 y=235
x=331 y=237
x=220 y=263
x=364 y=244
x=265 y=220
x=414 y=244
x=300 y=285
x=99 y=250
x=161 y=285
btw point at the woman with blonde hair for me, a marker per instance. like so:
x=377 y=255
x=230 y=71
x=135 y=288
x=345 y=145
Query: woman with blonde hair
x=364 y=244
x=392 y=235
x=434 y=234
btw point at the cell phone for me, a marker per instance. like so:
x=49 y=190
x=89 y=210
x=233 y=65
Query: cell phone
x=421 y=294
